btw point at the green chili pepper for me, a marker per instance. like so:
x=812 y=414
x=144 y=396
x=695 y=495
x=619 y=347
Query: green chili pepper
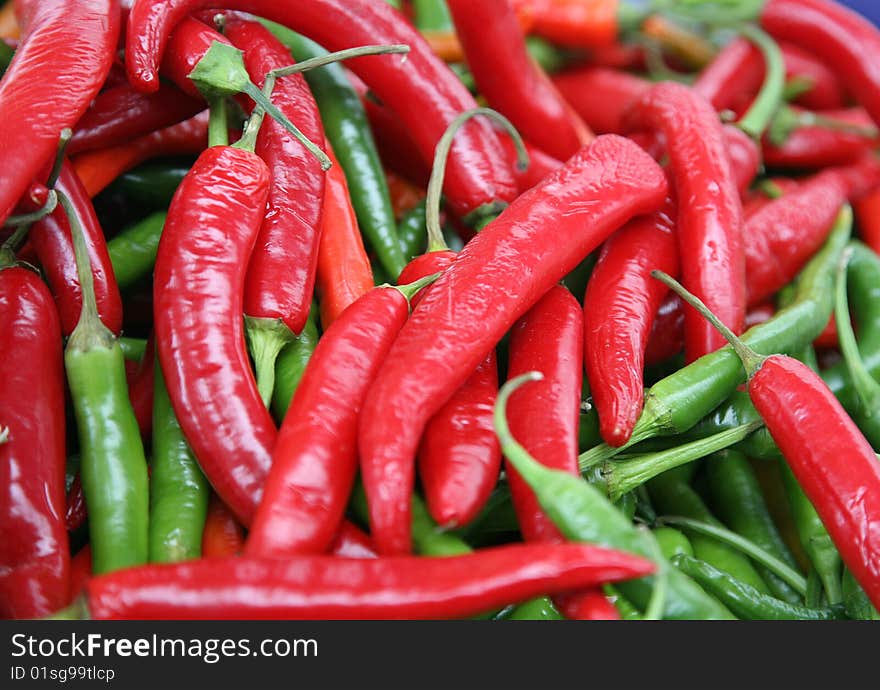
x=113 y=465
x=6 y=55
x=674 y=497
x=743 y=599
x=412 y=231
x=548 y=56
x=676 y=403
x=535 y=610
x=348 y=130
x=290 y=366
x=582 y=513
x=151 y=185
x=432 y=15
x=673 y=542
x=624 y=606
x=736 y=497
x=736 y=411
x=855 y=601
x=133 y=349
x=133 y=251
x=179 y=491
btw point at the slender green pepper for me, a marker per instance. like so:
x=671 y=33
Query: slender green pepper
x=736 y=497
x=675 y=404
x=743 y=599
x=673 y=542
x=674 y=497
x=412 y=231
x=624 y=606
x=855 y=601
x=348 y=130
x=179 y=491
x=732 y=413
x=151 y=185
x=6 y=54
x=548 y=56
x=113 y=465
x=290 y=365
x=582 y=513
x=133 y=251
x=541 y=609
x=133 y=349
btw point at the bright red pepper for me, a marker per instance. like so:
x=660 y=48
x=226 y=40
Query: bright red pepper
x=825 y=92
x=666 y=338
x=511 y=81
x=601 y=96
x=572 y=23
x=80 y=570
x=120 y=114
x=709 y=224
x=868 y=215
x=589 y=605
x=187 y=45
x=34 y=553
x=52 y=243
x=198 y=290
x=496 y=278
x=423 y=92
x=733 y=78
x=329 y=587
x=140 y=390
x=314 y=461
x=64 y=56
x=352 y=542
x=222 y=536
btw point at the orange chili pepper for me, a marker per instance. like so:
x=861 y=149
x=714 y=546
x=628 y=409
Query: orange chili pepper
x=222 y=536
x=574 y=23
x=8 y=22
x=344 y=271
x=97 y=169
x=445 y=45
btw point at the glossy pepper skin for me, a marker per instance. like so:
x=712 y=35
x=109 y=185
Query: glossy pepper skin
x=281 y=273
x=421 y=90
x=222 y=536
x=496 y=278
x=314 y=461
x=459 y=457
x=34 y=551
x=121 y=113
x=53 y=245
x=831 y=459
x=344 y=272
x=709 y=224
x=198 y=284
x=601 y=96
x=620 y=306
x=328 y=587
x=511 y=81
x=65 y=53
x=844 y=40
x=187 y=44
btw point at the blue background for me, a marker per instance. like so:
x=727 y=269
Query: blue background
x=868 y=8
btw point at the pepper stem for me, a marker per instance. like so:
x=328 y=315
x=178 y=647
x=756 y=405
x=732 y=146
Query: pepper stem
x=63 y=140
x=438 y=169
x=218 y=130
x=266 y=338
x=77 y=611
x=751 y=360
x=26 y=219
x=411 y=289
x=867 y=389
x=657 y=602
x=787 y=120
x=339 y=56
x=760 y=114
x=519 y=457
x=712 y=12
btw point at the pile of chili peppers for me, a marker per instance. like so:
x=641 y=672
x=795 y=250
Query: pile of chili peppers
x=510 y=309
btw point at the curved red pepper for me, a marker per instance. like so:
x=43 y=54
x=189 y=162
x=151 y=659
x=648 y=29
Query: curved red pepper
x=620 y=306
x=34 y=553
x=590 y=605
x=831 y=459
x=314 y=461
x=198 y=283
x=825 y=92
x=841 y=38
x=187 y=45
x=140 y=390
x=52 y=243
x=601 y=96
x=328 y=587
x=733 y=78
x=868 y=215
x=709 y=224
x=121 y=113
x=352 y=542
x=667 y=331
x=459 y=457
x=64 y=56
x=511 y=81
x=496 y=278
x=80 y=570
x=281 y=273
x=423 y=92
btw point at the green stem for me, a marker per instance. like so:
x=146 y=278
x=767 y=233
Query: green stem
x=760 y=114
x=867 y=389
x=218 y=129
x=339 y=56
x=63 y=140
x=266 y=338
x=749 y=548
x=797 y=86
x=6 y=55
x=622 y=476
x=410 y=289
x=438 y=169
x=657 y=602
x=26 y=219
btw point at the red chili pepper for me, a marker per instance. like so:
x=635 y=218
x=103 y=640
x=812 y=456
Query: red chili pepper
x=405 y=195
x=819 y=146
x=351 y=542
x=423 y=92
x=667 y=332
x=97 y=169
x=65 y=54
x=76 y=510
x=573 y=23
x=198 y=289
x=759 y=314
x=620 y=305
x=745 y=158
x=314 y=461
x=120 y=114
x=825 y=92
x=601 y=96
x=52 y=243
x=187 y=45
x=733 y=78
x=328 y=587
x=496 y=278
x=281 y=273
x=511 y=81
x=222 y=536
x=841 y=38
x=540 y=164
x=709 y=225
x=80 y=570
x=140 y=390
x=828 y=337
x=868 y=215
x=34 y=553
x=590 y=605
x=344 y=272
